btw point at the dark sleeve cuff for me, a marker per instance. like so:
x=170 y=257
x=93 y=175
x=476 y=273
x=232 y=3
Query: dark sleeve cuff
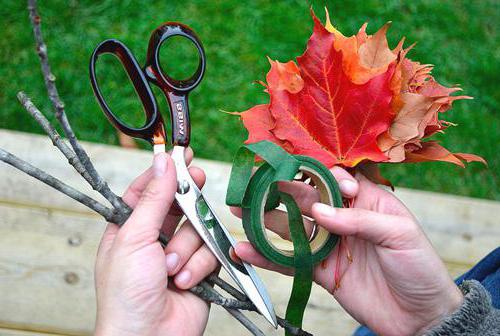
x=476 y=316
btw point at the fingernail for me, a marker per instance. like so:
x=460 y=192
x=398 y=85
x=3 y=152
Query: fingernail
x=183 y=278
x=348 y=187
x=234 y=256
x=160 y=164
x=324 y=210
x=172 y=260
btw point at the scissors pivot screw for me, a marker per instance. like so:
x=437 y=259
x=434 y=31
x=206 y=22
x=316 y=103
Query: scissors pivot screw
x=182 y=187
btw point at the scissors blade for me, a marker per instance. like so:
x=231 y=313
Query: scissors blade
x=217 y=238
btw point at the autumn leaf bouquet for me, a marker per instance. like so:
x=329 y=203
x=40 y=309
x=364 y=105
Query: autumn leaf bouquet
x=353 y=101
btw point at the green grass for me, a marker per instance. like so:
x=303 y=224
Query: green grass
x=459 y=37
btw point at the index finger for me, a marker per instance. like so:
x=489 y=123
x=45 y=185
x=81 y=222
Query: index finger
x=306 y=195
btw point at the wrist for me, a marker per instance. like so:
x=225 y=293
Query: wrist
x=108 y=330
x=125 y=328
x=450 y=303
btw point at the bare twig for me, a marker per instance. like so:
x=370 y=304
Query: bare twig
x=245 y=322
x=290 y=328
x=98 y=182
x=232 y=306
x=207 y=293
x=227 y=287
x=55 y=183
x=53 y=135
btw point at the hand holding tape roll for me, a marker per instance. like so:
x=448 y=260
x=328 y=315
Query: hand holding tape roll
x=258 y=193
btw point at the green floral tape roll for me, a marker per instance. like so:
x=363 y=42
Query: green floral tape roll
x=259 y=193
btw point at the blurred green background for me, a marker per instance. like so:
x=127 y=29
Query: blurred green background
x=459 y=37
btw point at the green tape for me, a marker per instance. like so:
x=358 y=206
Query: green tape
x=258 y=193
x=303 y=277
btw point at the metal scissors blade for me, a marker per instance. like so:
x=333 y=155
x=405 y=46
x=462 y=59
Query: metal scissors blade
x=217 y=238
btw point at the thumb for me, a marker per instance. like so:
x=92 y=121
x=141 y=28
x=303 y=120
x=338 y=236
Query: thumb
x=155 y=201
x=390 y=231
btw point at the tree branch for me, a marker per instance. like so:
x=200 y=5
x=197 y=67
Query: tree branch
x=206 y=292
x=245 y=321
x=50 y=83
x=53 y=135
x=227 y=287
x=291 y=328
x=55 y=183
x=209 y=294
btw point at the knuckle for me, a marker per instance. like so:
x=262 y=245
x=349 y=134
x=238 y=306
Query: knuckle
x=355 y=214
x=407 y=231
x=309 y=194
x=412 y=227
x=408 y=224
x=152 y=193
x=206 y=262
x=311 y=197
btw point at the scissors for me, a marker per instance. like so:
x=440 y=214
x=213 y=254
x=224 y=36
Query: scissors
x=188 y=196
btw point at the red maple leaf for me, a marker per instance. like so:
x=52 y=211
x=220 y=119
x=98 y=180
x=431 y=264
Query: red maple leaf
x=349 y=100
x=319 y=111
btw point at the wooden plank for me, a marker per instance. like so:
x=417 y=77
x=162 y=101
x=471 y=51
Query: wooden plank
x=462 y=229
x=46 y=269
x=17 y=332
x=46 y=283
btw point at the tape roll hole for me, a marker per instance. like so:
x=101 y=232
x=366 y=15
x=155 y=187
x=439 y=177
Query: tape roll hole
x=279 y=237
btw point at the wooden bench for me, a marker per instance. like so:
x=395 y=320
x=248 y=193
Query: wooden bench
x=48 y=242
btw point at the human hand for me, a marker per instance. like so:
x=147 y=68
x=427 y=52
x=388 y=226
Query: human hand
x=396 y=284
x=132 y=267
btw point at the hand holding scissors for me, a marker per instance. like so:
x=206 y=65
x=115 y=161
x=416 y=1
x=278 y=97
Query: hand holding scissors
x=188 y=196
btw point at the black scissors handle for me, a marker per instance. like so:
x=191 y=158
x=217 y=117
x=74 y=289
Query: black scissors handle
x=175 y=90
